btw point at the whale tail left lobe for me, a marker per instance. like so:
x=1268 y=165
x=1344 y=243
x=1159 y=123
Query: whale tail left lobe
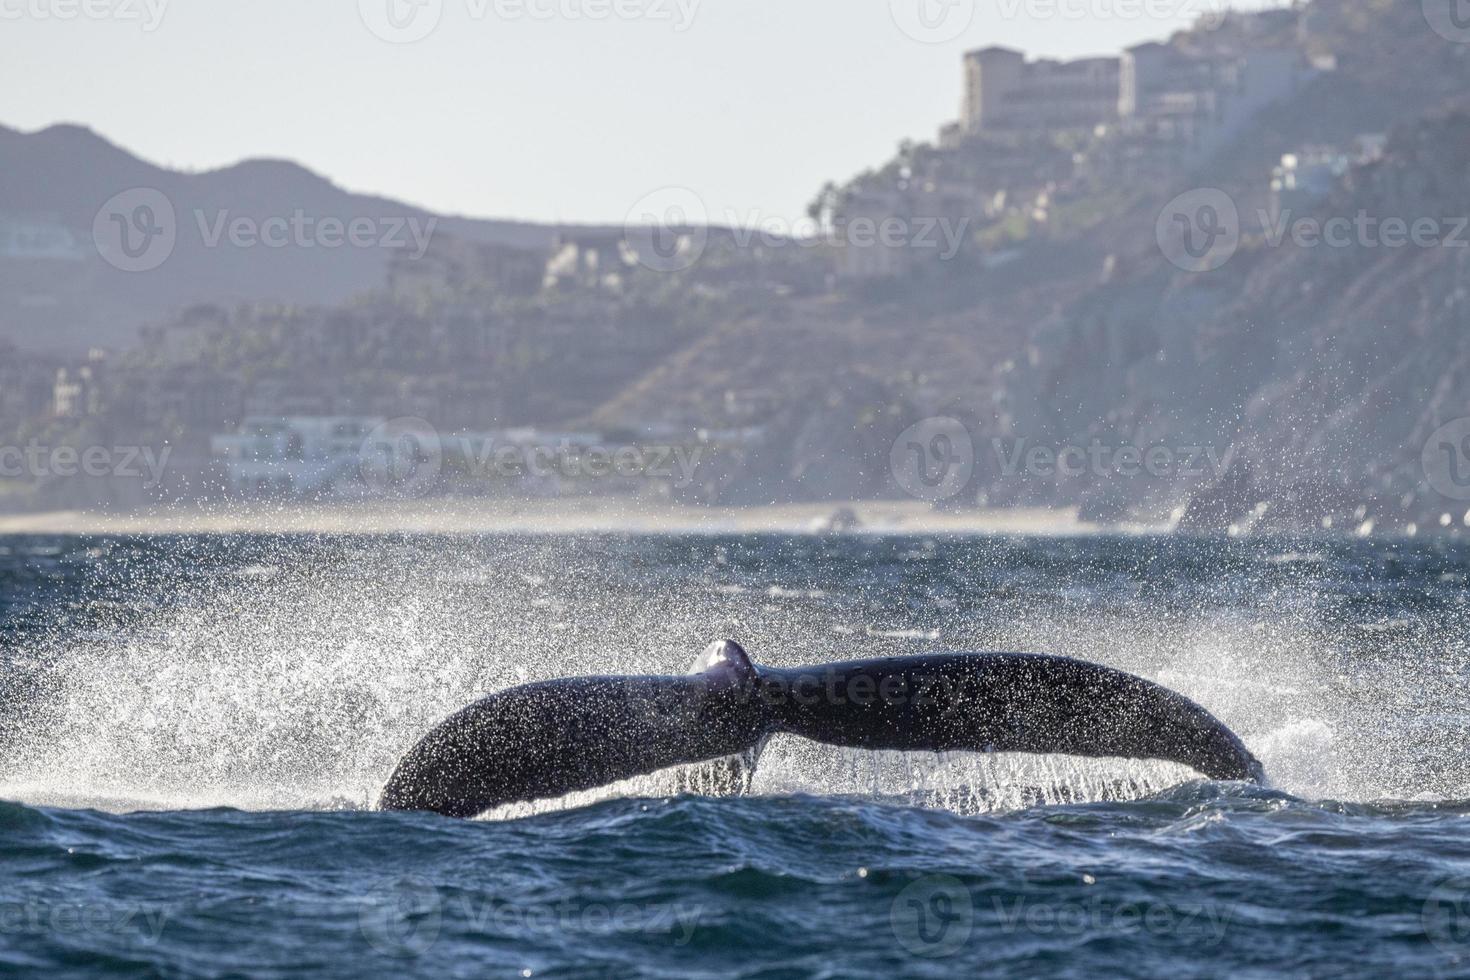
x=544 y=740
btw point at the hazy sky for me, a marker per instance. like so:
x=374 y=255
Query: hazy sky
x=542 y=109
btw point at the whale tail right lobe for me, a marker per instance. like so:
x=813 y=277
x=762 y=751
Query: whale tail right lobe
x=1005 y=702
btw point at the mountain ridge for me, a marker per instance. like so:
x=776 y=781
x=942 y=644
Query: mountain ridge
x=65 y=301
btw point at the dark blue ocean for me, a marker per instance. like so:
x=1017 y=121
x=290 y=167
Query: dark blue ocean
x=193 y=731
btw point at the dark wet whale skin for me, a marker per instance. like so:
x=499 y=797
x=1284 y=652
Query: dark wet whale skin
x=544 y=740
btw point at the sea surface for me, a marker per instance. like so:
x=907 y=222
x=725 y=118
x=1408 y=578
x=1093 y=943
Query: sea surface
x=194 y=729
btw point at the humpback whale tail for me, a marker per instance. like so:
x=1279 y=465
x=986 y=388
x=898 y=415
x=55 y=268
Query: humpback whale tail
x=544 y=740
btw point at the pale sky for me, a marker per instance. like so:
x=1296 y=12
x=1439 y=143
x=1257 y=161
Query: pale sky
x=535 y=109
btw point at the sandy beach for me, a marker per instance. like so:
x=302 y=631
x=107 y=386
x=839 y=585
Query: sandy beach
x=548 y=517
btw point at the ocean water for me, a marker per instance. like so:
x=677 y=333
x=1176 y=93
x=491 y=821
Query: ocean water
x=193 y=730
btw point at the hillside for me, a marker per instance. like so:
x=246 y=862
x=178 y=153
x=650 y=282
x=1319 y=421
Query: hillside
x=1310 y=376
x=58 y=295
x=1319 y=371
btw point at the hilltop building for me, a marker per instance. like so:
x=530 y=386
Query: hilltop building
x=1004 y=91
x=1180 y=105
x=1175 y=102
x=1033 y=131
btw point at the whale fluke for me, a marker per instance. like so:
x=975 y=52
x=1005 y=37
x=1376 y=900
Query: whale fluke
x=543 y=740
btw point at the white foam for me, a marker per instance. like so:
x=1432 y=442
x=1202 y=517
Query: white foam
x=300 y=688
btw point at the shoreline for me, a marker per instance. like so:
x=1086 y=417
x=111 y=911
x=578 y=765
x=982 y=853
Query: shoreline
x=562 y=516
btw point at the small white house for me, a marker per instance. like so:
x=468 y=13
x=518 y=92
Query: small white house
x=292 y=456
